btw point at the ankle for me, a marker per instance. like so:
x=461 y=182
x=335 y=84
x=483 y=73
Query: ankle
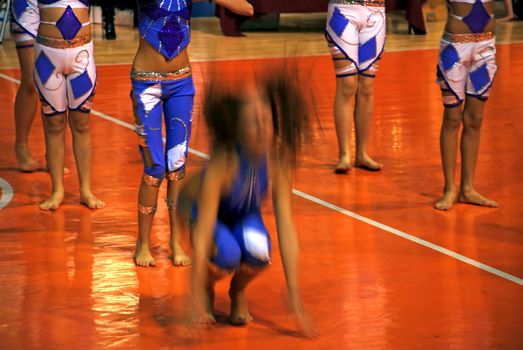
x=450 y=189
x=466 y=189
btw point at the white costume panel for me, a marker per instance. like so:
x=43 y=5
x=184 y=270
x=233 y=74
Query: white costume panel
x=65 y=77
x=358 y=32
x=467 y=66
x=25 y=19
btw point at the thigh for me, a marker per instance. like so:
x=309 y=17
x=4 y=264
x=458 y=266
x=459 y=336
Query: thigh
x=482 y=70
x=147 y=106
x=178 y=109
x=372 y=41
x=254 y=240
x=26 y=58
x=452 y=72
x=81 y=77
x=49 y=79
x=342 y=37
x=227 y=250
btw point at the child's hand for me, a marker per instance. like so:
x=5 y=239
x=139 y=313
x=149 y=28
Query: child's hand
x=240 y=7
x=304 y=321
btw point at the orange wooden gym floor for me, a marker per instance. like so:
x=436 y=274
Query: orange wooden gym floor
x=396 y=277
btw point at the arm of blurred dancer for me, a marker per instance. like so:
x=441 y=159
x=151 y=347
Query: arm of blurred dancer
x=240 y=7
x=208 y=202
x=289 y=248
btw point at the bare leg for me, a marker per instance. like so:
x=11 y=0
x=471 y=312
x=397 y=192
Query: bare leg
x=472 y=119
x=80 y=129
x=343 y=115
x=363 y=121
x=25 y=109
x=239 y=310
x=179 y=258
x=449 y=150
x=55 y=147
x=147 y=200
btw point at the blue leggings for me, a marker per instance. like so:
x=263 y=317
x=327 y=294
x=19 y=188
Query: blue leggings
x=246 y=241
x=174 y=99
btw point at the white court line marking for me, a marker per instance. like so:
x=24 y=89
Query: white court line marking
x=7 y=193
x=346 y=212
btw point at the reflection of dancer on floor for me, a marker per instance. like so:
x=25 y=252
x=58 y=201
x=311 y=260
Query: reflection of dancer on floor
x=225 y=199
x=25 y=20
x=466 y=69
x=65 y=75
x=356 y=36
x=163 y=86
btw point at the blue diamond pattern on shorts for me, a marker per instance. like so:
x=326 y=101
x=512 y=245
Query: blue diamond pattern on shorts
x=338 y=22
x=448 y=57
x=81 y=84
x=480 y=78
x=19 y=7
x=44 y=67
x=367 y=50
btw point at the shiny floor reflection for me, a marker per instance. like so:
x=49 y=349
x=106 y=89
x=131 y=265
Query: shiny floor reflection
x=67 y=279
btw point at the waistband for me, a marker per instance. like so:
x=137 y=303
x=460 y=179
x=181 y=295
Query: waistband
x=373 y=3
x=161 y=76
x=63 y=43
x=467 y=37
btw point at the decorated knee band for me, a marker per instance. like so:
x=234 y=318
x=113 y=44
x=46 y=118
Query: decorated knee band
x=146 y=210
x=151 y=180
x=177 y=175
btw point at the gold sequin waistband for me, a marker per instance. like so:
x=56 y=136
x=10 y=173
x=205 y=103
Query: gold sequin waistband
x=62 y=43
x=374 y=3
x=161 y=76
x=467 y=37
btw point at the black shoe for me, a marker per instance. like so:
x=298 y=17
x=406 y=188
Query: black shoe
x=110 y=33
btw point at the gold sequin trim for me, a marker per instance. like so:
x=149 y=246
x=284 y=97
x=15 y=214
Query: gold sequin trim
x=151 y=180
x=375 y=3
x=145 y=210
x=176 y=175
x=467 y=37
x=62 y=43
x=161 y=76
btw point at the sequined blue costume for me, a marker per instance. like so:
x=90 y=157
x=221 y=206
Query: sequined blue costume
x=240 y=235
x=164 y=24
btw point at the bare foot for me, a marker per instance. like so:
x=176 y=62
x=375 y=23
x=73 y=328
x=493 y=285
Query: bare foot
x=25 y=160
x=53 y=202
x=473 y=197
x=239 y=310
x=90 y=201
x=344 y=165
x=178 y=257
x=143 y=256
x=367 y=163
x=447 y=201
